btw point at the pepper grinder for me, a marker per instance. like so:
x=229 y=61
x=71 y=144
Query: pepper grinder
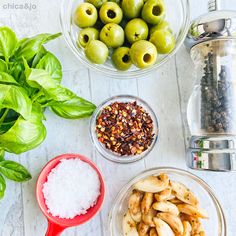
x=211 y=110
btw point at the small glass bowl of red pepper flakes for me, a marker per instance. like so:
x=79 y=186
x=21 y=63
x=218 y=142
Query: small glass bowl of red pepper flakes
x=124 y=129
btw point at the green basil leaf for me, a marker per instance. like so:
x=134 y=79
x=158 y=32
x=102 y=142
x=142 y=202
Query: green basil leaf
x=6 y=126
x=52 y=65
x=8 y=121
x=2 y=153
x=41 y=79
x=38 y=57
x=29 y=47
x=14 y=171
x=3 y=66
x=63 y=102
x=74 y=108
x=16 y=69
x=7 y=79
x=8 y=42
x=24 y=135
x=14 y=97
x=11 y=116
x=43 y=101
x=2 y=186
x=38 y=111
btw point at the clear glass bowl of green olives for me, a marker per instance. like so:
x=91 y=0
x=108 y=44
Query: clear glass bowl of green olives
x=124 y=38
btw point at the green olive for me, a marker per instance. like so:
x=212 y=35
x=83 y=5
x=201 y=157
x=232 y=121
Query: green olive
x=96 y=3
x=86 y=35
x=121 y=58
x=132 y=8
x=110 y=12
x=143 y=54
x=135 y=30
x=153 y=11
x=112 y=35
x=164 y=25
x=85 y=15
x=163 y=40
x=96 y=51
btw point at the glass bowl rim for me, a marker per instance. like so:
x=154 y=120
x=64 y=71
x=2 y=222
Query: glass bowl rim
x=178 y=171
x=127 y=74
x=110 y=155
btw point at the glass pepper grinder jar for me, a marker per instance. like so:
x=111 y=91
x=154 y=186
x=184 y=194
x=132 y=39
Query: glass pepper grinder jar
x=211 y=111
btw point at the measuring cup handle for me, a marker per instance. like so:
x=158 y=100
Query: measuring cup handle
x=54 y=229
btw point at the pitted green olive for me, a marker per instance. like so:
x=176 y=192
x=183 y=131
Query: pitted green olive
x=153 y=11
x=86 y=35
x=112 y=35
x=110 y=12
x=121 y=58
x=85 y=15
x=163 y=25
x=97 y=52
x=135 y=30
x=132 y=8
x=143 y=54
x=163 y=40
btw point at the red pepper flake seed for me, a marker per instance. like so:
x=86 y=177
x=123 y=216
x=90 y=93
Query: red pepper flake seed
x=125 y=128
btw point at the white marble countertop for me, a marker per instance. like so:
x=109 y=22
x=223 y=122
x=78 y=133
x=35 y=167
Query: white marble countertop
x=167 y=91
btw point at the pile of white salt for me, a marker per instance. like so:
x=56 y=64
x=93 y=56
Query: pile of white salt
x=72 y=187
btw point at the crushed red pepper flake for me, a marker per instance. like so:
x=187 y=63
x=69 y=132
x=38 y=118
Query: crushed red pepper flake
x=125 y=128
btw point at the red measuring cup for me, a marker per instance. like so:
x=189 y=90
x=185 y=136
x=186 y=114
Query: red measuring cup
x=55 y=224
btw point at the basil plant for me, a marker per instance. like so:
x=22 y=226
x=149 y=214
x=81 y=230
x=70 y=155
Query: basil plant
x=30 y=78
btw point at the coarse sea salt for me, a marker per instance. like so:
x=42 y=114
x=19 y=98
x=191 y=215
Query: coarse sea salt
x=72 y=187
